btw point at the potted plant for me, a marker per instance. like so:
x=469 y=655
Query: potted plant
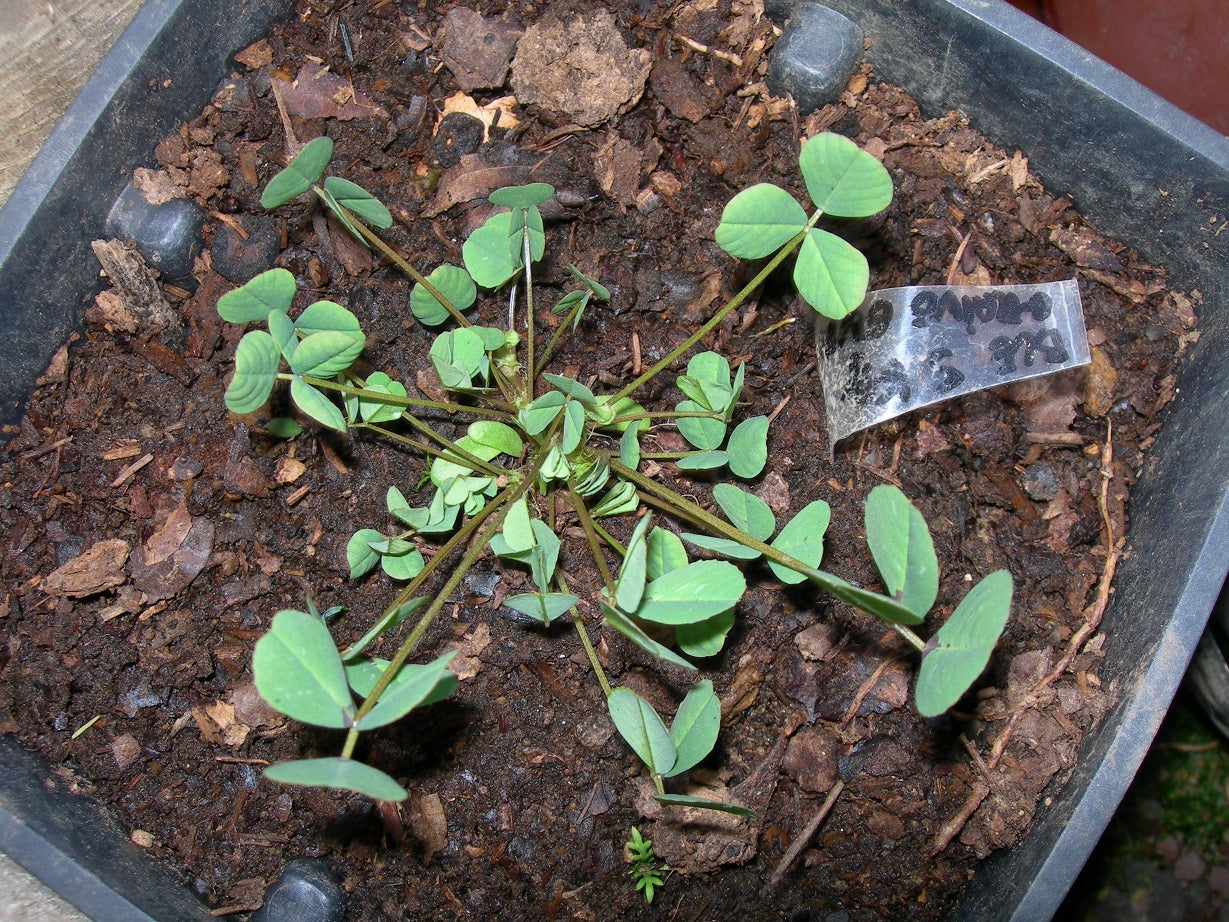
x=1008 y=91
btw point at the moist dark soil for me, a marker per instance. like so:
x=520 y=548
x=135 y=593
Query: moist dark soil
x=149 y=536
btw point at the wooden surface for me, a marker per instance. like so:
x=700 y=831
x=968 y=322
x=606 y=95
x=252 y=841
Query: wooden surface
x=48 y=49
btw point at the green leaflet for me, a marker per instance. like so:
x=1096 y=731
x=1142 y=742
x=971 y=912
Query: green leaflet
x=298 y=671
x=344 y=774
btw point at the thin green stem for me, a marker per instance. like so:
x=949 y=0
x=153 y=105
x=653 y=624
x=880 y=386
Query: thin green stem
x=393 y=400
x=478 y=465
x=586 y=524
x=372 y=238
x=529 y=315
x=554 y=340
x=587 y=644
x=721 y=314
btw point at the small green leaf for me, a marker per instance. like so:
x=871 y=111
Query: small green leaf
x=633 y=632
x=486 y=254
x=298 y=671
x=599 y=291
x=545 y=607
x=692 y=593
x=414 y=685
x=541 y=413
x=377 y=411
x=665 y=553
x=326 y=354
x=758 y=221
x=702 y=461
x=723 y=546
x=619 y=499
x=629 y=448
x=962 y=647
x=283 y=427
x=325 y=317
x=830 y=274
x=746 y=511
x=572 y=388
x=281 y=328
x=517 y=532
x=359 y=552
x=842 y=179
x=272 y=290
x=748 y=448
x=629 y=589
x=902 y=547
x=527 y=196
x=703 y=432
x=500 y=438
x=335 y=772
x=299 y=175
x=256 y=363
x=623 y=407
x=803 y=539
x=700 y=803
x=643 y=730
x=694 y=728
x=359 y=202
x=704 y=638
x=454 y=284
x=403 y=566
x=573 y=427
x=316 y=405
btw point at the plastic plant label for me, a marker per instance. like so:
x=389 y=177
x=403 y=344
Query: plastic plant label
x=910 y=347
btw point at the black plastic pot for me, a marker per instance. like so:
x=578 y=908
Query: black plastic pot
x=1138 y=168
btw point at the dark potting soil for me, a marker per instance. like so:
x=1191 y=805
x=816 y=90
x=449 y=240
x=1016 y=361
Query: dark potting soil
x=149 y=536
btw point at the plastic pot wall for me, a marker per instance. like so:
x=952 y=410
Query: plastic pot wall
x=1141 y=170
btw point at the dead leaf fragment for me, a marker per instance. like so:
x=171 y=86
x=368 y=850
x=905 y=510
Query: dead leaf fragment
x=98 y=569
x=317 y=92
x=255 y=55
x=1102 y=381
x=478 y=49
x=429 y=824
x=466 y=664
x=125 y=750
x=170 y=537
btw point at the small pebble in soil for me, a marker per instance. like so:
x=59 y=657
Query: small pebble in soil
x=237 y=259
x=458 y=134
x=815 y=56
x=167 y=235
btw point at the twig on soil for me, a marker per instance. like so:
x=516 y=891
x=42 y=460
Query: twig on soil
x=691 y=43
x=804 y=837
x=955 y=264
x=863 y=690
x=291 y=142
x=950 y=829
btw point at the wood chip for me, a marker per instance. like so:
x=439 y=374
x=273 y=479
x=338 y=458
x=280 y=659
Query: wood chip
x=100 y=568
x=126 y=474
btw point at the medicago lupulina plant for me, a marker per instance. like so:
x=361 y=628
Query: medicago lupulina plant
x=515 y=451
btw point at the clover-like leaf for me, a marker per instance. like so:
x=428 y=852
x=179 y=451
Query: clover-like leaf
x=316 y=405
x=415 y=685
x=901 y=545
x=545 y=607
x=298 y=671
x=831 y=275
x=842 y=179
x=703 y=432
x=541 y=413
x=326 y=316
x=748 y=448
x=692 y=593
x=374 y=410
x=454 y=284
x=271 y=290
x=359 y=202
x=694 y=728
x=326 y=354
x=643 y=730
x=665 y=552
x=704 y=638
x=256 y=363
x=962 y=647
x=486 y=253
x=803 y=539
x=300 y=174
x=746 y=511
x=360 y=555
x=336 y=772
x=529 y=195
x=633 y=574
x=758 y=221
